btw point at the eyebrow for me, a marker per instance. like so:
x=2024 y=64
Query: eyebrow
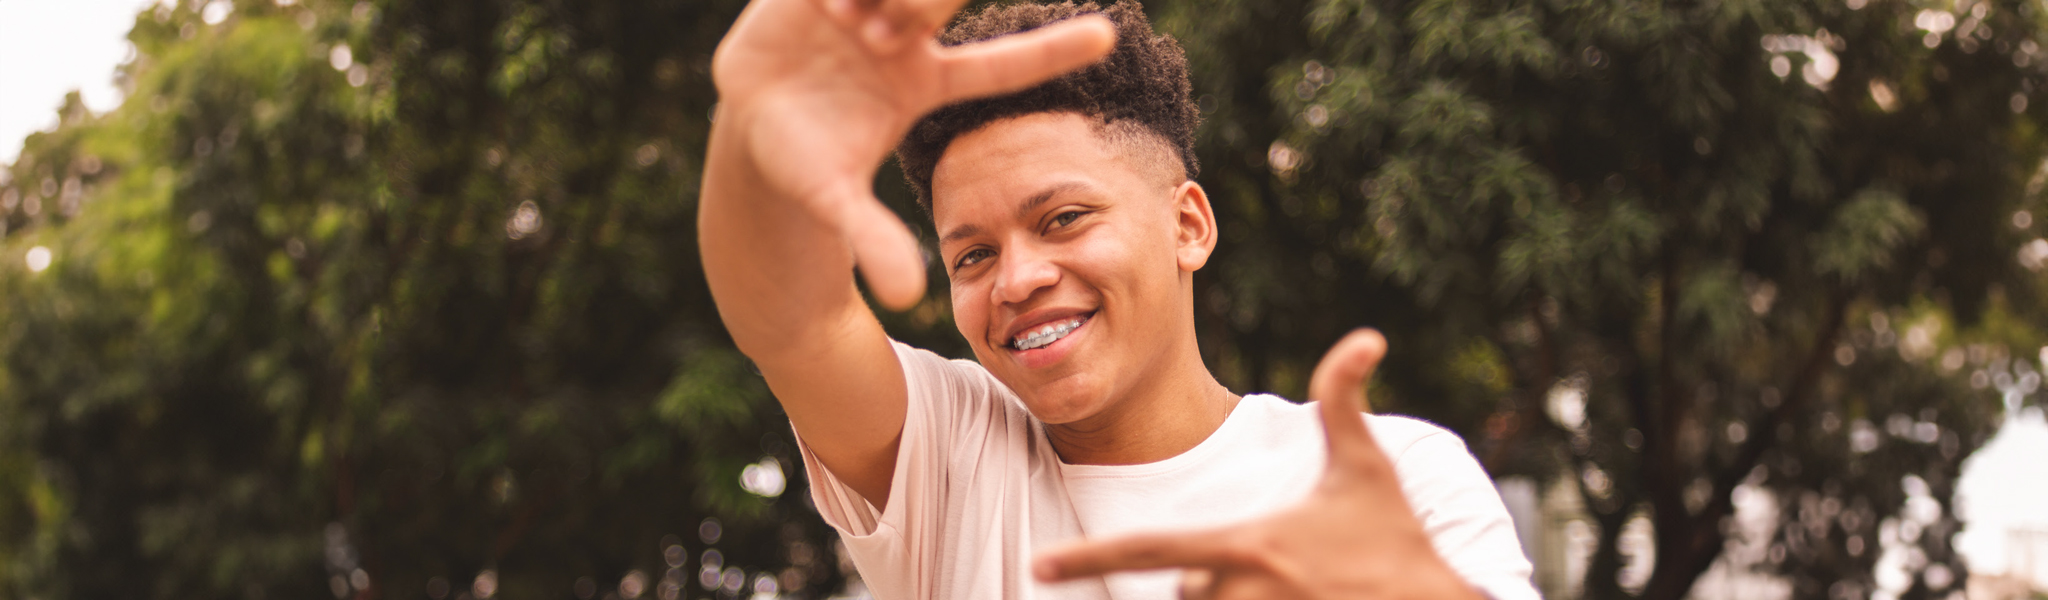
x=1023 y=210
x=958 y=233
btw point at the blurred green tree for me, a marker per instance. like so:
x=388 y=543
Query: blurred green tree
x=1744 y=246
x=385 y=299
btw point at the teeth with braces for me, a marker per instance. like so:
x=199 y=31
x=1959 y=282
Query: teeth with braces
x=1052 y=332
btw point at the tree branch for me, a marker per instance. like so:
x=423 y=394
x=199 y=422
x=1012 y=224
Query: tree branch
x=1804 y=382
x=1703 y=537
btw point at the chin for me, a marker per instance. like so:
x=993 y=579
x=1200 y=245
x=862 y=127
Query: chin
x=1059 y=407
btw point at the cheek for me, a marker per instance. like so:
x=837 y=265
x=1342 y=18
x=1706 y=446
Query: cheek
x=1136 y=259
x=970 y=313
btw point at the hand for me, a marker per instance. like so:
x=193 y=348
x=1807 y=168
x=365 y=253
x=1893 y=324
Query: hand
x=1353 y=538
x=814 y=94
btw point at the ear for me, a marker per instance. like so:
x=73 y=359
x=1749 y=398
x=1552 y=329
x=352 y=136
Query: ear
x=1195 y=224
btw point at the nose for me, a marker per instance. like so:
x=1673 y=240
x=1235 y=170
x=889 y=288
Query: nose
x=1024 y=271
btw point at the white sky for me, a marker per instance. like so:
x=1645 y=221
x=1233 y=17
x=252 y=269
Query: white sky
x=51 y=47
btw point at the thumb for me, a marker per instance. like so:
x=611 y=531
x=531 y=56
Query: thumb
x=1338 y=386
x=883 y=248
x=1203 y=550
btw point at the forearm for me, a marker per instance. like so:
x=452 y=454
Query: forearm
x=783 y=281
x=778 y=274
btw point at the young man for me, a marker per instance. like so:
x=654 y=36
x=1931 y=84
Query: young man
x=1071 y=229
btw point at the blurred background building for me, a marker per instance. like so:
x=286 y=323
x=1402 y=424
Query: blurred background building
x=2001 y=496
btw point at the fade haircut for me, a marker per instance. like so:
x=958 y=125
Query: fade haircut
x=1139 y=91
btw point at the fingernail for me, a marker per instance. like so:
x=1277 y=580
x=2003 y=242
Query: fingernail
x=878 y=31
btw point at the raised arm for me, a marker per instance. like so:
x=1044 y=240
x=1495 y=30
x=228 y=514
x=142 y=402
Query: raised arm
x=813 y=94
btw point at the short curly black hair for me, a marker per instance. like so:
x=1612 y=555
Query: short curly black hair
x=1143 y=82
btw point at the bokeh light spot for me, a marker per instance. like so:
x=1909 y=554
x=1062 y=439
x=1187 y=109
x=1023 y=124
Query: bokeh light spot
x=39 y=258
x=341 y=57
x=486 y=584
x=709 y=531
x=764 y=479
x=633 y=584
x=524 y=222
x=217 y=11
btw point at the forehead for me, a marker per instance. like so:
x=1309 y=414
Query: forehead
x=1008 y=161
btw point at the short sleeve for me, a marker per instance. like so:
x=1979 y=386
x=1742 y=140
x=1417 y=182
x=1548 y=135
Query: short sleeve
x=1464 y=516
x=949 y=405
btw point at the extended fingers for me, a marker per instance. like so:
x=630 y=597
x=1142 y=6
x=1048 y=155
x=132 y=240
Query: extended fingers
x=1338 y=386
x=1201 y=550
x=884 y=249
x=1017 y=61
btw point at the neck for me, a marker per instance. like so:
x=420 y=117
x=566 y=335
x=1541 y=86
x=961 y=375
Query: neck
x=1149 y=423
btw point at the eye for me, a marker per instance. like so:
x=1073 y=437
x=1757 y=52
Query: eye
x=971 y=257
x=1066 y=218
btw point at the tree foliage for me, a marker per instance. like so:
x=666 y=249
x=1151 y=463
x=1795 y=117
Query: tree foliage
x=1714 y=222
x=405 y=287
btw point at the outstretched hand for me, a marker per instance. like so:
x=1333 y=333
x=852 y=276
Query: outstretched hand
x=1354 y=537
x=817 y=92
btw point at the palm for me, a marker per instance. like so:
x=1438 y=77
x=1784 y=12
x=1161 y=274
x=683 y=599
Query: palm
x=1309 y=531
x=829 y=107
x=1353 y=537
x=823 y=105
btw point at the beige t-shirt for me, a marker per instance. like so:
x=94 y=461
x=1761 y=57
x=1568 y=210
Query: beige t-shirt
x=978 y=489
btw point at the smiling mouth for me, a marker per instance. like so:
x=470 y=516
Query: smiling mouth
x=1045 y=335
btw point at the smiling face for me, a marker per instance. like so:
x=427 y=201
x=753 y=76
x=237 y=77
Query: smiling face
x=1072 y=248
